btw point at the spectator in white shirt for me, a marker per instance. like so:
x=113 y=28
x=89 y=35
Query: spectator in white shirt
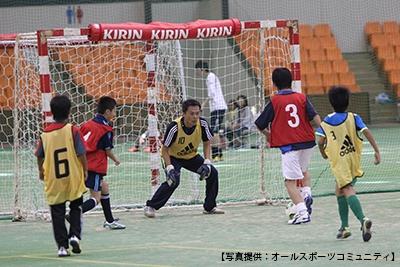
x=217 y=107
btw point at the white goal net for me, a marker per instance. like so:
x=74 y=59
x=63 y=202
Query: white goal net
x=149 y=70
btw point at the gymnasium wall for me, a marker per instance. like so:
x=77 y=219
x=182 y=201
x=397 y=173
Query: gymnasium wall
x=347 y=18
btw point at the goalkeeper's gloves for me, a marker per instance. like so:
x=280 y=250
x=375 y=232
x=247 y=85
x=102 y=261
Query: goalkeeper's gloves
x=172 y=176
x=205 y=169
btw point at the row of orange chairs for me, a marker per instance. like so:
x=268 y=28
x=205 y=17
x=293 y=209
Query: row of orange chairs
x=321 y=54
x=317 y=83
x=385 y=40
x=325 y=66
x=123 y=78
x=390 y=27
x=320 y=30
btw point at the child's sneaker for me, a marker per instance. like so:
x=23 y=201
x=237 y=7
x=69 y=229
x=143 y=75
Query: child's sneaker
x=298 y=219
x=113 y=225
x=149 y=212
x=366 y=229
x=75 y=244
x=344 y=232
x=308 y=200
x=63 y=252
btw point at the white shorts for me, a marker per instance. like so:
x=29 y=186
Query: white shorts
x=295 y=163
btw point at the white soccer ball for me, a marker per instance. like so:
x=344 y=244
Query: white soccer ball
x=290 y=210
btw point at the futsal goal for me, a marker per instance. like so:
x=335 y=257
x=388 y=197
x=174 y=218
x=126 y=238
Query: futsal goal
x=149 y=70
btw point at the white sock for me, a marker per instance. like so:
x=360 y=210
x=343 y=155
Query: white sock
x=306 y=191
x=301 y=208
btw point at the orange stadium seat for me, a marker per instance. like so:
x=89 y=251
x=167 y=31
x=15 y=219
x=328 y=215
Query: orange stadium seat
x=385 y=52
x=314 y=84
x=323 y=67
x=378 y=40
x=372 y=27
x=333 y=53
x=322 y=29
x=390 y=27
x=354 y=88
x=305 y=31
x=303 y=80
x=394 y=39
x=310 y=43
x=329 y=79
x=328 y=42
x=347 y=78
x=304 y=54
x=340 y=66
x=397 y=51
x=317 y=55
x=307 y=67
x=394 y=77
x=391 y=64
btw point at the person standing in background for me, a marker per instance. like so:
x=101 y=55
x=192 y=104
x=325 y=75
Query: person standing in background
x=217 y=107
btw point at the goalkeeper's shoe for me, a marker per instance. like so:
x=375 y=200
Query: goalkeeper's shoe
x=308 y=200
x=215 y=159
x=63 y=252
x=75 y=244
x=344 y=232
x=221 y=158
x=366 y=229
x=215 y=210
x=149 y=212
x=298 y=219
x=113 y=225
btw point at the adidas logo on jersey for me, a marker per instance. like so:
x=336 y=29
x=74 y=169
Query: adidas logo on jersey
x=347 y=146
x=187 y=150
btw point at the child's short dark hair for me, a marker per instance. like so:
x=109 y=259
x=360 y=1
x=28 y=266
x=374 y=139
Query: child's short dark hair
x=201 y=65
x=60 y=106
x=105 y=102
x=339 y=98
x=282 y=78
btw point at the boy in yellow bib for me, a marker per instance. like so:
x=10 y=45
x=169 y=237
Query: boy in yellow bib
x=61 y=158
x=339 y=142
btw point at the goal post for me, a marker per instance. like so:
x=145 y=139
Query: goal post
x=149 y=70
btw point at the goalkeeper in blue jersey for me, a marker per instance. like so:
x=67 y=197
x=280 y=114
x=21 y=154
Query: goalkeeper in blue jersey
x=180 y=150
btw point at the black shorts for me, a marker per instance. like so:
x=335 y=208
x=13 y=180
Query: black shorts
x=94 y=181
x=216 y=120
